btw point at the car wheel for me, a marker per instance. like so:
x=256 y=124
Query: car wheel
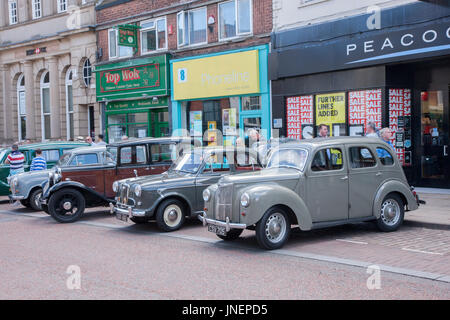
x=392 y=213
x=233 y=234
x=170 y=215
x=139 y=220
x=25 y=203
x=35 y=198
x=273 y=230
x=66 y=205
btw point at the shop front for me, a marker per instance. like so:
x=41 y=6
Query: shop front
x=135 y=99
x=218 y=98
x=396 y=77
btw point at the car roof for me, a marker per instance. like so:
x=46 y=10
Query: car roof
x=131 y=142
x=89 y=149
x=51 y=145
x=319 y=142
x=222 y=149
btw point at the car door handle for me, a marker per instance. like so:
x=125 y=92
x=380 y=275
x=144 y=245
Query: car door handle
x=344 y=178
x=379 y=174
x=445 y=151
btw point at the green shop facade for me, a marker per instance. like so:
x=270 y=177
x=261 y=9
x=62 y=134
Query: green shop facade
x=134 y=97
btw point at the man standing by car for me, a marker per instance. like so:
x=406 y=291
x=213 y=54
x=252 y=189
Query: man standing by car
x=100 y=141
x=323 y=131
x=15 y=159
x=385 y=135
x=39 y=162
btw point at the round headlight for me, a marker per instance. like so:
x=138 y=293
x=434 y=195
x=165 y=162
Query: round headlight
x=245 y=200
x=137 y=190
x=115 y=186
x=206 y=195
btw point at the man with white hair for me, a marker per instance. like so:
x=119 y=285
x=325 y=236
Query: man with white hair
x=385 y=135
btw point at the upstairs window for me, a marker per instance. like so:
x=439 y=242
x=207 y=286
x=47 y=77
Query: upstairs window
x=62 y=6
x=154 y=35
x=192 y=27
x=116 y=51
x=36 y=8
x=235 y=19
x=87 y=72
x=12 y=6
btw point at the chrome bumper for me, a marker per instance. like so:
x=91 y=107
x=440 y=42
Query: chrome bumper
x=128 y=211
x=228 y=226
x=12 y=197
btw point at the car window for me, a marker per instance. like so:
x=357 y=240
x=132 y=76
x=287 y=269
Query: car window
x=163 y=153
x=361 y=157
x=125 y=155
x=64 y=159
x=84 y=159
x=50 y=155
x=216 y=163
x=141 y=154
x=385 y=157
x=294 y=158
x=189 y=162
x=245 y=161
x=327 y=159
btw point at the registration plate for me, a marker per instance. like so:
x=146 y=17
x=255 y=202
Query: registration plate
x=122 y=217
x=217 y=229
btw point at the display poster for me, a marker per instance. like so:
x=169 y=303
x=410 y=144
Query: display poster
x=229 y=122
x=400 y=123
x=330 y=111
x=363 y=107
x=196 y=123
x=299 y=115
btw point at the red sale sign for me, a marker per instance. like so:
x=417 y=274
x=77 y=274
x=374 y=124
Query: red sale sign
x=364 y=107
x=399 y=108
x=299 y=110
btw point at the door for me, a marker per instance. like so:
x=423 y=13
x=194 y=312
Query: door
x=327 y=185
x=160 y=123
x=87 y=169
x=162 y=156
x=434 y=159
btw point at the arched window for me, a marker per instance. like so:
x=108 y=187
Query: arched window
x=69 y=104
x=21 y=108
x=87 y=72
x=45 y=106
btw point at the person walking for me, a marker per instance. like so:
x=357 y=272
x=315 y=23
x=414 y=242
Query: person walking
x=39 y=162
x=16 y=160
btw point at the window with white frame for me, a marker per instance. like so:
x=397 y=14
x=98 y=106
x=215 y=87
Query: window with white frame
x=87 y=72
x=192 y=27
x=116 y=51
x=153 y=35
x=45 y=106
x=36 y=8
x=21 y=108
x=62 y=6
x=12 y=6
x=235 y=18
x=69 y=105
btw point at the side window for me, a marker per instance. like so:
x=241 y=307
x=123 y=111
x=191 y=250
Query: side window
x=84 y=159
x=327 y=159
x=245 y=161
x=141 y=155
x=163 y=153
x=361 y=157
x=385 y=157
x=125 y=155
x=217 y=163
x=50 y=155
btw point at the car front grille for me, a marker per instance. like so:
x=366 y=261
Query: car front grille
x=224 y=202
x=123 y=193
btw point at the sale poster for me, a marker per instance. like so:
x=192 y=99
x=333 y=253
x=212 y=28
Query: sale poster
x=330 y=111
x=299 y=115
x=399 y=122
x=229 y=121
x=364 y=107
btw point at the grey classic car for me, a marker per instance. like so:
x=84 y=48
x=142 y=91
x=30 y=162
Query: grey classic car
x=312 y=184
x=176 y=194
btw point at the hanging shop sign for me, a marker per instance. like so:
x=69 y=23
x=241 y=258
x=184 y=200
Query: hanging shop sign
x=400 y=123
x=330 y=111
x=363 y=107
x=136 y=79
x=299 y=116
x=216 y=76
x=128 y=35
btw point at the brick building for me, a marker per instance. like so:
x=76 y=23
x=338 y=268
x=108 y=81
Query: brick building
x=205 y=66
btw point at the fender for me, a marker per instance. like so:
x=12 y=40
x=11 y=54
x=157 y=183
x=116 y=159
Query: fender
x=265 y=196
x=164 y=196
x=76 y=185
x=393 y=186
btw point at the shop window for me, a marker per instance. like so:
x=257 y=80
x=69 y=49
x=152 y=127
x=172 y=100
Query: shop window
x=364 y=108
x=251 y=103
x=153 y=35
x=235 y=18
x=361 y=158
x=327 y=159
x=12 y=6
x=192 y=27
x=116 y=51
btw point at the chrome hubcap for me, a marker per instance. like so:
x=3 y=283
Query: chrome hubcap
x=172 y=215
x=390 y=212
x=275 y=227
x=67 y=205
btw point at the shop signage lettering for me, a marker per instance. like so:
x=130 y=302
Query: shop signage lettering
x=330 y=110
x=145 y=76
x=127 y=75
x=364 y=107
x=399 y=116
x=137 y=104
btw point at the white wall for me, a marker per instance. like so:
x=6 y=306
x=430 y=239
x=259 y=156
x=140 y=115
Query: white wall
x=289 y=14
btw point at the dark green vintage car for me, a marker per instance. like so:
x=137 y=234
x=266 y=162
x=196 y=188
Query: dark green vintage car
x=51 y=151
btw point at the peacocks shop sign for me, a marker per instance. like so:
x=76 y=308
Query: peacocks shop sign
x=132 y=79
